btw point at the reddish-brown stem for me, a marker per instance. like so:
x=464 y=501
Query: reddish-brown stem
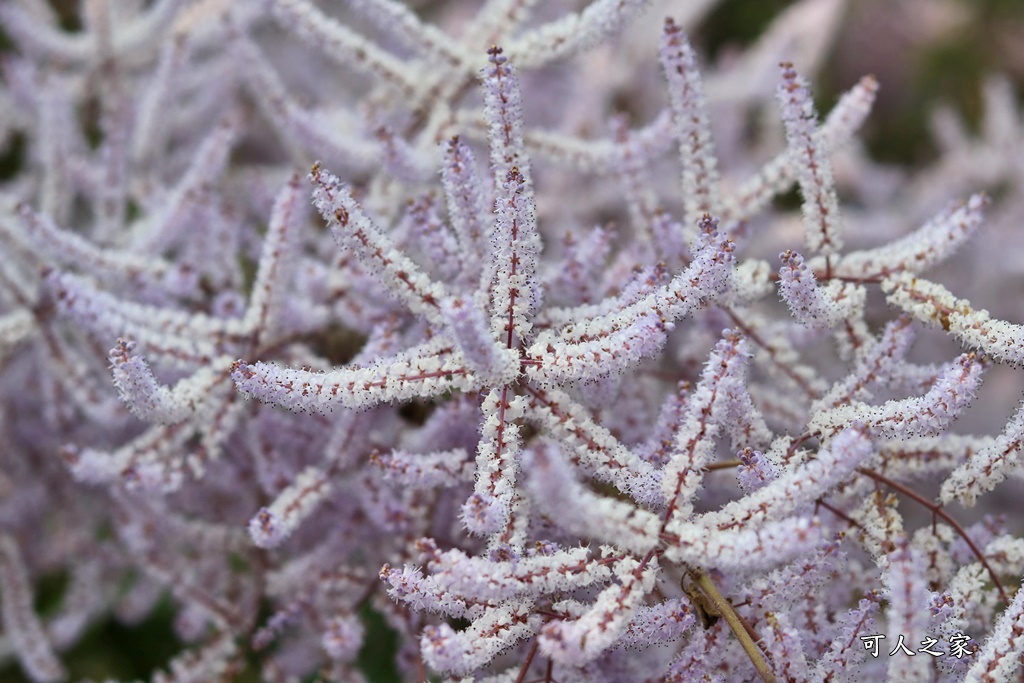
x=756 y=338
x=937 y=511
x=837 y=512
x=529 y=660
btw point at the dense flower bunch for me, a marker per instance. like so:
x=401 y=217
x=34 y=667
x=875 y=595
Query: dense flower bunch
x=559 y=404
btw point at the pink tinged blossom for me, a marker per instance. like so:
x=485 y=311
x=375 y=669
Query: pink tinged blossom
x=504 y=112
x=743 y=549
x=907 y=612
x=301 y=128
x=56 y=123
x=484 y=513
x=402 y=161
x=663 y=622
x=342 y=637
x=557 y=493
x=401 y=23
x=453 y=424
x=276 y=263
x=670 y=236
x=641 y=283
x=483 y=353
x=426 y=470
x=466 y=206
x=932 y=303
x=159 y=458
x=785 y=647
x=388 y=509
x=613 y=353
x=693 y=662
x=1000 y=655
x=341 y=44
x=356 y=233
x=89 y=466
x=789 y=585
x=434 y=239
x=582 y=639
x=514 y=287
x=148 y=135
x=272 y=525
x=575 y=32
x=839 y=663
x=740 y=417
x=691 y=126
x=567 y=445
x=916 y=459
x=927 y=415
x=641 y=199
x=777 y=176
x=755 y=470
x=446 y=650
x=931 y=244
x=593 y=447
x=504 y=575
x=112 y=193
x=656 y=447
x=814 y=305
x=489 y=509
x=430 y=369
x=809 y=152
x=21 y=624
x=577 y=279
x=750 y=281
x=165 y=333
x=151 y=460
x=162 y=226
x=652 y=141
x=70 y=249
x=614 y=337
x=991 y=464
x=15 y=327
x=37 y=36
x=146 y=397
x=515 y=290
x=694 y=441
x=880 y=364
x=210 y=662
x=797 y=486
x=409 y=586
x=850 y=112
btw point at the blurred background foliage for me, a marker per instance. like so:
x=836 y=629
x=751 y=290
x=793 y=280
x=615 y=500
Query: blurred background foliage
x=925 y=53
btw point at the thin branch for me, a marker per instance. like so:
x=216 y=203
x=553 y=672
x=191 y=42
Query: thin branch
x=937 y=510
x=736 y=623
x=525 y=668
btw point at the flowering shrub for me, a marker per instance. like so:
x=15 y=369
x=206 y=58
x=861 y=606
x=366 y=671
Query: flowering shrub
x=539 y=388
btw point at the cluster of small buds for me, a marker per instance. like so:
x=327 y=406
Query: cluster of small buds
x=958 y=646
x=814 y=172
x=813 y=305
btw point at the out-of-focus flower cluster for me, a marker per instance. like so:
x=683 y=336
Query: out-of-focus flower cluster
x=548 y=375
